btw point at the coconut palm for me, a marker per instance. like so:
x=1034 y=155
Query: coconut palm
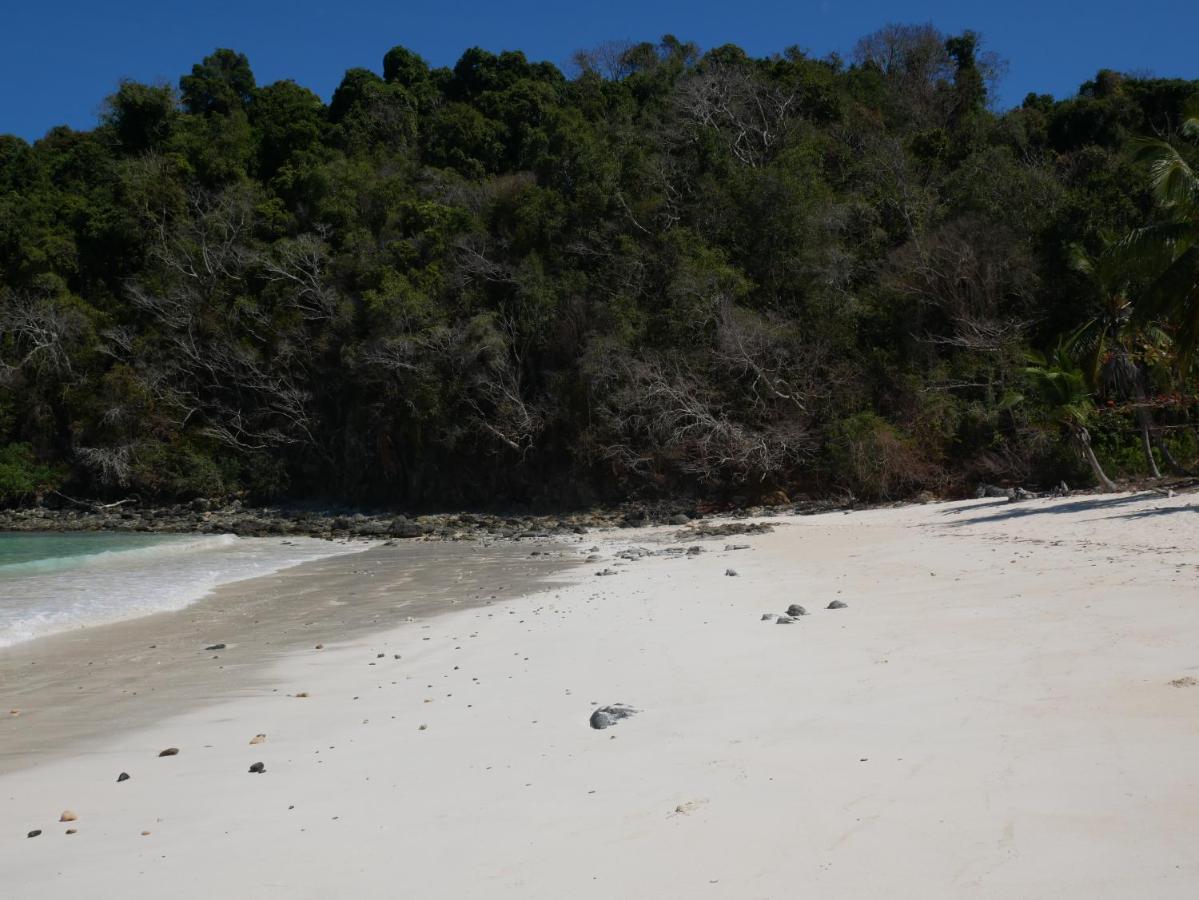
x=1174 y=294
x=1115 y=348
x=1059 y=387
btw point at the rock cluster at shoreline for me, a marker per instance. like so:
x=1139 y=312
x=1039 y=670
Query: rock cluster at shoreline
x=207 y=517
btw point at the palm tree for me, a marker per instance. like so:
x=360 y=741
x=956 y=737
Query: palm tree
x=1174 y=294
x=1113 y=346
x=1060 y=388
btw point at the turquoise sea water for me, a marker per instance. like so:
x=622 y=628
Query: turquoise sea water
x=57 y=582
x=21 y=552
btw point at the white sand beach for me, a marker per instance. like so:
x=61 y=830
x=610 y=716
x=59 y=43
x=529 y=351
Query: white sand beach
x=1007 y=708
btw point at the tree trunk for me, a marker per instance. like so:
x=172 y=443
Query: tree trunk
x=1173 y=464
x=1147 y=445
x=1082 y=440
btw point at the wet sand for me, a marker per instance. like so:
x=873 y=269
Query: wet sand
x=72 y=689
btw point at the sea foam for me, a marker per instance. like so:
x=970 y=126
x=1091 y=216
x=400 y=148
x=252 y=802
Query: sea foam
x=70 y=581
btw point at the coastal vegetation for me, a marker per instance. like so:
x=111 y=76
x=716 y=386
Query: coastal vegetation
x=665 y=272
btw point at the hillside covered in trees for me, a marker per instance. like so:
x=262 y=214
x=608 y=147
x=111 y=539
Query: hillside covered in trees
x=672 y=272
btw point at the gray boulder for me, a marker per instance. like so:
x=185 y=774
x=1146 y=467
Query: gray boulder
x=607 y=716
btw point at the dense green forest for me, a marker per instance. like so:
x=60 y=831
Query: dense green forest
x=670 y=272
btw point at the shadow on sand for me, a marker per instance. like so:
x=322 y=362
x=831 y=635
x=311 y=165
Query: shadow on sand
x=1005 y=511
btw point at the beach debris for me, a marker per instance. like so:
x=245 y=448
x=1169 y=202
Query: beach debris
x=607 y=572
x=607 y=716
x=695 y=550
x=301 y=694
x=14 y=712
x=796 y=610
x=169 y=751
x=837 y=604
x=1184 y=681
x=731 y=573
x=67 y=816
x=258 y=739
x=632 y=554
x=728 y=529
x=215 y=647
x=258 y=768
x=34 y=833
x=768 y=617
x=783 y=620
x=145 y=834
x=320 y=647
x=423 y=728
x=72 y=831
x=124 y=776
x=730 y=547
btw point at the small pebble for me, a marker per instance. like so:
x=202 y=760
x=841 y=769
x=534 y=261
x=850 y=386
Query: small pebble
x=169 y=751
x=124 y=776
x=34 y=833
x=258 y=768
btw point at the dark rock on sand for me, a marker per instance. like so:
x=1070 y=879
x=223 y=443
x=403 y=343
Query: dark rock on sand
x=796 y=610
x=34 y=833
x=837 y=604
x=768 y=617
x=403 y=527
x=989 y=490
x=731 y=573
x=124 y=776
x=258 y=768
x=215 y=647
x=169 y=751
x=728 y=529
x=607 y=716
x=783 y=620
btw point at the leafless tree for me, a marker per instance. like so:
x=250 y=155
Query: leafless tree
x=662 y=412
x=111 y=465
x=609 y=59
x=753 y=115
x=36 y=334
x=220 y=361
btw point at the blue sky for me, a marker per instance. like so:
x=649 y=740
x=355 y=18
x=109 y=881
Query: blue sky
x=58 y=60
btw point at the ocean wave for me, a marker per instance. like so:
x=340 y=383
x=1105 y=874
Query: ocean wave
x=171 y=546
x=61 y=593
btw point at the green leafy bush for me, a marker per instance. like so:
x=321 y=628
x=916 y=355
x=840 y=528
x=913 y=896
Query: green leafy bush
x=21 y=476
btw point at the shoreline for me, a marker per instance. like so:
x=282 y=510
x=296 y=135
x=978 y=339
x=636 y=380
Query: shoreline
x=137 y=670
x=1005 y=708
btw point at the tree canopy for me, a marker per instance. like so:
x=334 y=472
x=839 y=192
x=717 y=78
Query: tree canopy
x=666 y=271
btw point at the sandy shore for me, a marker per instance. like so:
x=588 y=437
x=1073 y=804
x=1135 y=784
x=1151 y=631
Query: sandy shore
x=1008 y=708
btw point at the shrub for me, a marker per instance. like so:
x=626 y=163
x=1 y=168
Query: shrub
x=21 y=476
x=876 y=460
